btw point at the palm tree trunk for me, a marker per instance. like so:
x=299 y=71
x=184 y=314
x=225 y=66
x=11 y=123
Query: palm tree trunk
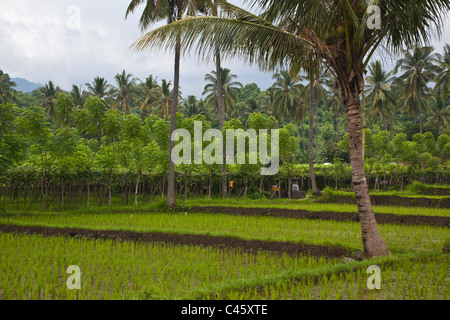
x=223 y=168
x=312 y=176
x=372 y=241
x=420 y=110
x=317 y=134
x=337 y=125
x=137 y=188
x=173 y=114
x=303 y=135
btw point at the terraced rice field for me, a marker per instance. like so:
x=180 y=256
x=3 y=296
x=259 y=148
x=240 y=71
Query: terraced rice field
x=205 y=255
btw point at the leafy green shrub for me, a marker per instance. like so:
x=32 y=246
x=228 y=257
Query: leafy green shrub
x=256 y=196
x=329 y=195
x=415 y=187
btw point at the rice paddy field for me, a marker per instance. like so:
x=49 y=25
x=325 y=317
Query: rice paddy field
x=158 y=254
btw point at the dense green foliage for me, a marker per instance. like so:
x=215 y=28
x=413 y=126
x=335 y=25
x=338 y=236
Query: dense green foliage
x=112 y=139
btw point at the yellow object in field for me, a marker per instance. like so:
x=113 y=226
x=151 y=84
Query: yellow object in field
x=231 y=184
x=275 y=188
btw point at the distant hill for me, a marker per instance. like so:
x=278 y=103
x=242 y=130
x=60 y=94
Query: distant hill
x=25 y=86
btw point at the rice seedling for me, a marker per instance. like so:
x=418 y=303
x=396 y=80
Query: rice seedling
x=347 y=234
x=131 y=270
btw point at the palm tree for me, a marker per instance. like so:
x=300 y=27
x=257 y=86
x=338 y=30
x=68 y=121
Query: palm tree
x=170 y=10
x=124 y=91
x=318 y=77
x=380 y=94
x=287 y=94
x=164 y=101
x=335 y=103
x=47 y=95
x=6 y=89
x=418 y=69
x=99 y=88
x=222 y=92
x=443 y=78
x=78 y=96
x=149 y=92
x=251 y=106
x=191 y=107
x=336 y=32
x=440 y=113
x=230 y=90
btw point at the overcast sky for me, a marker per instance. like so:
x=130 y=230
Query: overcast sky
x=40 y=41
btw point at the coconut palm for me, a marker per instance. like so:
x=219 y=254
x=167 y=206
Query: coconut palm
x=222 y=93
x=335 y=103
x=286 y=94
x=47 y=96
x=191 y=107
x=99 y=88
x=253 y=105
x=148 y=93
x=339 y=33
x=163 y=103
x=443 y=78
x=318 y=76
x=124 y=91
x=78 y=96
x=230 y=90
x=379 y=91
x=6 y=89
x=169 y=10
x=440 y=113
x=418 y=70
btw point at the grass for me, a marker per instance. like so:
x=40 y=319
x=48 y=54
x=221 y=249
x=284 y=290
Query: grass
x=422 y=277
x=306 y=204
x=346 y=234
x=34 y=267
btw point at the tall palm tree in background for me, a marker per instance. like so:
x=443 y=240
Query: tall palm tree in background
x=6 y=88
x=124 y=91
x=191 y=107
x=286 y=94
x=440 y=113
x=443 y=77
x=164 y=101
x=99 y=88
x=320 y=76
x=379 y=91
x=148 y=93
x=418 y=70
x=311 y=71
x=171 y=11
x=230 y=90
x=253 y=106
x=287 y=98
x=335 y=103
x=341 y=34
x=47 y=96
x=78 y=96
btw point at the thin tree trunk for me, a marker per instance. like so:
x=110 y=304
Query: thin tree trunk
x=109 y=188
x=173 y=116
x=303 y=135
x=373 y=243
x=312 y=175
x=137 y=188
x=317 y=134
x=420 y=110
x=223 y=168
x=62 y=195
